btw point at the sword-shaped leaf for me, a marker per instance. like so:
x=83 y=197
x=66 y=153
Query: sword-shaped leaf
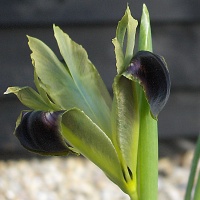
x=89 y=84
x=30 y=98
x=83 y=134
x=125 y=119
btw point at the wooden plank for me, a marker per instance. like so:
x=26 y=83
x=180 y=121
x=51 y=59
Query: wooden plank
x=107 y=11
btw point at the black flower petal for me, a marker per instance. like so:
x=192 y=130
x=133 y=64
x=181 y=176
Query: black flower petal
x=152 y=73
x=39 y=132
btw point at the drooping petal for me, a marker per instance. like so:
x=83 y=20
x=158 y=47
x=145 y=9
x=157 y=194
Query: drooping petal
x=39 y=132
x=150 y=70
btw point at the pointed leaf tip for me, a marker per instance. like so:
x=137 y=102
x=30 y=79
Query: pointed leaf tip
x=144 y=6
x=145 y=40
x=124 y=51
x=30 y=98
x=152 y=73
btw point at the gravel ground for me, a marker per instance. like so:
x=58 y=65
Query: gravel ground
x=75 y=178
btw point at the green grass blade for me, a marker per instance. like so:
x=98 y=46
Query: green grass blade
x=193 y=171
x=197 y=189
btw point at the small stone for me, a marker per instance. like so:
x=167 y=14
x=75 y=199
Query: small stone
x=186 y=159
x=165 y=167
x=76 y=178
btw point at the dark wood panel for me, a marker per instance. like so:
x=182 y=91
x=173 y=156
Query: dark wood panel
x=181 y=115
x=180 y=45
x=10 y=109
x=92 y=11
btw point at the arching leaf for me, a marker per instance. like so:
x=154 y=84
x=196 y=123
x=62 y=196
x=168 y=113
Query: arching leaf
x=83 y=134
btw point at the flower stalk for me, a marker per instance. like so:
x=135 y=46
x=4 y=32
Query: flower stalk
x=148 y=140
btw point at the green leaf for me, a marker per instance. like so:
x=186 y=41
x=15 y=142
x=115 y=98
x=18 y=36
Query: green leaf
x=125 y=116
x=54 y=77
x=83 y=134
x=30 y=98
x=43 y=93
x=145 y=39
x=126 y=25
x=89 y=84
x=131 y=31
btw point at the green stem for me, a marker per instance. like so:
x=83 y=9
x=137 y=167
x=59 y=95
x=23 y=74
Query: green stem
x=147 y=176
x=147 y=155
x=134 y=196
x=193 y=170
x=197 y=189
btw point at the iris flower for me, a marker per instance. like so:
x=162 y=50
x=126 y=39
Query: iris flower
x=73 y=112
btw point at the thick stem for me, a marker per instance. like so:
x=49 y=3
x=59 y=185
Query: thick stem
x=147 y=174
x=147 y=155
